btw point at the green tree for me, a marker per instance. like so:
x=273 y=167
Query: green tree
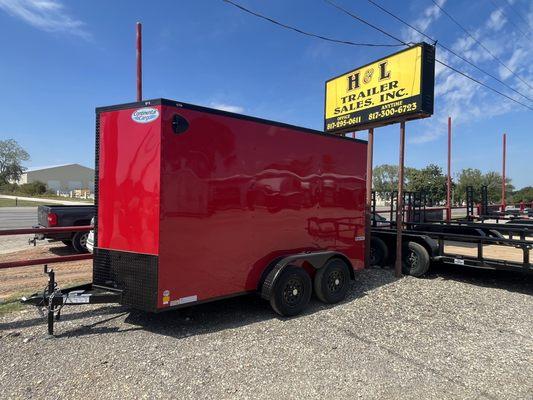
x=473 y=177
x=11 y=158
x=385 y=179
x=493 y=181
x=468 y=177
x=525 y=194
x=429 y=180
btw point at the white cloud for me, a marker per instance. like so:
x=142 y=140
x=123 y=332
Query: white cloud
x=496 y=20
x=429 y=15
x=466 y=101
x=47 y=15
x=518 y=57
x=228 y=107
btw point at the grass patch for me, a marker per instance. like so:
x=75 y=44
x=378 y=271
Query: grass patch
x=20 y=203
x=11 y=304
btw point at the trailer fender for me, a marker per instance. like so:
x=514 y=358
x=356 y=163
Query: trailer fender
x=316 y=260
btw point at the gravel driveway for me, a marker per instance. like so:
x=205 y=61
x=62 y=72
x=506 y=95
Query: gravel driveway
x=458 y=334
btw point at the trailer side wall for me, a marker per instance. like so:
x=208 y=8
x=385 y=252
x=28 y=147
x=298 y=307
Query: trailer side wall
x=236 y=194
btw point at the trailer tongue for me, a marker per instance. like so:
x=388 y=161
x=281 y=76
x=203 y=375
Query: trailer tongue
x=51 y=301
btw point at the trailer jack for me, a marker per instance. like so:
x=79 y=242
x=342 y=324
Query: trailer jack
x=50 y=302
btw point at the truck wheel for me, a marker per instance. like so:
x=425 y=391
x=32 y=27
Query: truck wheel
x=291 y=292
x=415 y=259
x=79 y=242
x=378 y=252
x=332 y=281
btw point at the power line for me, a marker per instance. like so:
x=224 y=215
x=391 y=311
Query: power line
x=385 y=33
x=328 y=39
x=445 y=47
x=436 y=60
x=480 y=44
x=365 y=22
x=482 y=84
x=517 y=13
x=500 y=9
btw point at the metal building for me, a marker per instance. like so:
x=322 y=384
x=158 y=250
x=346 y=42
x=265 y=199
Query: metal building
x=64 y=177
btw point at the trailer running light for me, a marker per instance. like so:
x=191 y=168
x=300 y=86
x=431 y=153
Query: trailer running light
x=52 y=219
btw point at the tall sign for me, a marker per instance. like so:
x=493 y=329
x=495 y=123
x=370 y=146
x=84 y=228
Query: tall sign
x=395 y=88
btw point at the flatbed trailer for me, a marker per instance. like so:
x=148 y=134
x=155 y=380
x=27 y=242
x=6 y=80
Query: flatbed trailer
x=426 y=243
x=425 y=247
x=195 y=204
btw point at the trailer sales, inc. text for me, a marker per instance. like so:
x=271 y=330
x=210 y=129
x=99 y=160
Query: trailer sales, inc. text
x=387 y=92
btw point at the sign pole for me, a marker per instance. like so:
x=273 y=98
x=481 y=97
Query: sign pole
x=139 y=63
x=503 y=172
x=449 y=178
x=369 y=162
x=399 y=206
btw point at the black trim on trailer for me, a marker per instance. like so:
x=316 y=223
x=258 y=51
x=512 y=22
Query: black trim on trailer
x=187 y=106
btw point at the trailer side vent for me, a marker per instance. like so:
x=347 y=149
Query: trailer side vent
x=179 y=124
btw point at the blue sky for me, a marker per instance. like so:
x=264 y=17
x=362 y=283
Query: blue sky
x=61 y=59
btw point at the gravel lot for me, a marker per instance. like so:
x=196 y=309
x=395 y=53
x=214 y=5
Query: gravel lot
x=457 y=334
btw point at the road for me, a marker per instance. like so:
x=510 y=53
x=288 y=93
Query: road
x=51 y=201
x=17 y=217
x=12 y=218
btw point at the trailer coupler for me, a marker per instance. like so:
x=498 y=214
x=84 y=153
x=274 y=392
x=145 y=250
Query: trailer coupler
x=52 y=299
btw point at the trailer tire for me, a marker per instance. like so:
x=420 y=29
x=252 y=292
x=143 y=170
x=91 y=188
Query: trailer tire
x=415 y=259
x=332 y=281
x=79 y=242
x=378 y=252
x=291 y=292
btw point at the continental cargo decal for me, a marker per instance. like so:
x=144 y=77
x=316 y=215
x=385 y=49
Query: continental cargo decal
x=395 y=88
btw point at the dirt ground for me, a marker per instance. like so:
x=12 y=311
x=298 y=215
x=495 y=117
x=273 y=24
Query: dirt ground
x=27 y=280
x=495 y=252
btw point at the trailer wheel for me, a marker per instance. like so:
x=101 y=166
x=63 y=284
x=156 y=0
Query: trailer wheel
x=378 y=252
x=79 y=242
x=291 y=292
x=332 y=281
x=415 y=259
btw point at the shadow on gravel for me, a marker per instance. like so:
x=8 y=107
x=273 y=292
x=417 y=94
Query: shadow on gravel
x=66 y=316
x=194 y=320
x=240 y=311
x=62 y=250
x=506 y=280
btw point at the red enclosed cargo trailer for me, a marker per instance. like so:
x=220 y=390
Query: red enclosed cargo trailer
x=196 y=204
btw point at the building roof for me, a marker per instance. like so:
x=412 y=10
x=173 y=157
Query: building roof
x=33 y=169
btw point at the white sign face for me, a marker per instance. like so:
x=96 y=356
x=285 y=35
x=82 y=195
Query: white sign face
x=145 y=115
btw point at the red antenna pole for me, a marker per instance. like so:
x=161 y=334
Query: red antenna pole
x=449 y=178
x=503 y=171
x=139 y=63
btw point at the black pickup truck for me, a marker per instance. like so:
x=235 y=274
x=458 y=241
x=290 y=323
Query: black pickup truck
x=51 y=216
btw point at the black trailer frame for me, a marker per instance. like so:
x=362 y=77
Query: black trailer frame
x=432 y=235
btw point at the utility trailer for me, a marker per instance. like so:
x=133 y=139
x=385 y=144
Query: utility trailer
x=425 y=243
x=195 y=204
